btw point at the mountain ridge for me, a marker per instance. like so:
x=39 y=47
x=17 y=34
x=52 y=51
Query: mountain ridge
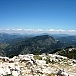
x=22 y=44
x=40 y=44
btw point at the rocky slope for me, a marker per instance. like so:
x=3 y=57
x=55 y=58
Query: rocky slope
x=37 y=65
x=69 y=52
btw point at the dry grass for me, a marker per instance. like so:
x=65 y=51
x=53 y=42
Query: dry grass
x=52 y=74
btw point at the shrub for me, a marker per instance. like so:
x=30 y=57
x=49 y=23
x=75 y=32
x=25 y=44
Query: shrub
x=11 y=56
x=37 y=57
x=8 y=75
x=52 y=74
x=47 y=60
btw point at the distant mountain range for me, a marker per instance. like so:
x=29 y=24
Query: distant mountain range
x=68 y=39
x=38 y=44
x=23 y=44
x=11 y=38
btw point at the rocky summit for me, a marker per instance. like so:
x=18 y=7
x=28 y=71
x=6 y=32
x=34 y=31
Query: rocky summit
x=37 y=65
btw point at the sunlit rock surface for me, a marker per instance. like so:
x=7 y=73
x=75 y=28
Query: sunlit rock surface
x=37 y=65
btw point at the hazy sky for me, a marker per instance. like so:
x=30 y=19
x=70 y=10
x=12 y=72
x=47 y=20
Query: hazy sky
x=38 y=14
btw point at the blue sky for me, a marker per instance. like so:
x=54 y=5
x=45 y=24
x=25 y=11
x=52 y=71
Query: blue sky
x=38 y=14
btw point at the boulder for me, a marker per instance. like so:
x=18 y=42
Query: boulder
x=62 y=73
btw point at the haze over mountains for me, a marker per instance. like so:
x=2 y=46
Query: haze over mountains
x=42 y=43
